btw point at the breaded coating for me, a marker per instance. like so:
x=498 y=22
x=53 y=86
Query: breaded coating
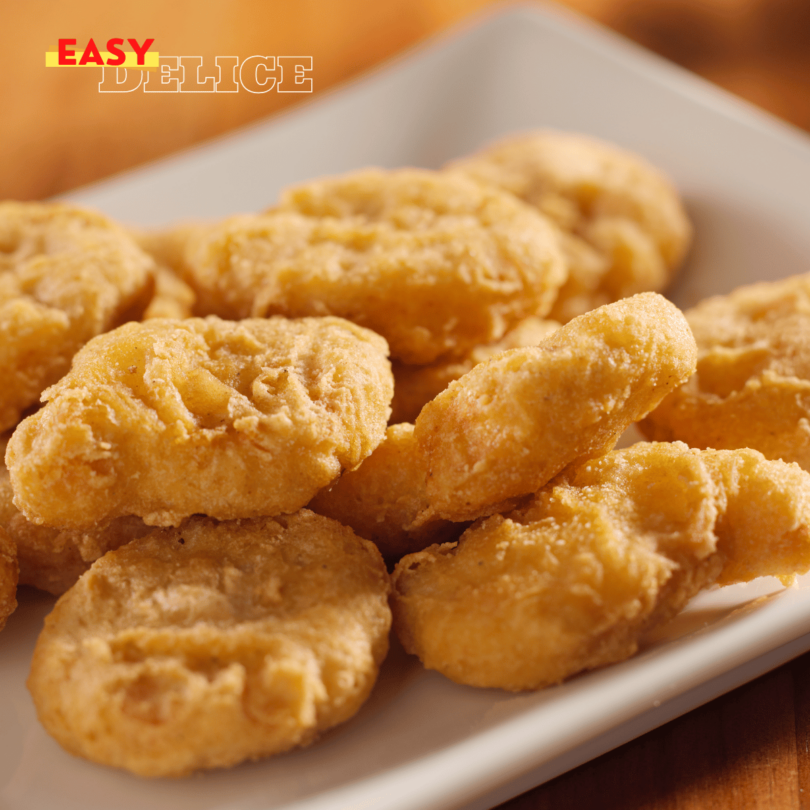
x=436 y=264
x=597 y=559
x=752 y=386
x=764 y=514
x=383 y=498
x=173 y=298
x=624 y=228
x=9 y=573
x=166 y=419
x=66 y=275
x=53 y=559
x=209 y=644
x=167 y=245
x=415 y=386
x=511 y=424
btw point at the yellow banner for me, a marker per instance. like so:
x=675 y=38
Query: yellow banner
x=151 y=60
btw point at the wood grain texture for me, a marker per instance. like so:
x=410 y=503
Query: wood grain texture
x=739 y=751
x=749 y=749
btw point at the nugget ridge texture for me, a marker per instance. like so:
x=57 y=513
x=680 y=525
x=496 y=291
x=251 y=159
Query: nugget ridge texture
x=624 y=229
x=436 y=264
x=382 y=499
x=53 y=559
x=752 y=384
x=515 y=421
x=166 y=419
x=66 y=275
x=208 y=644
x=597 y=560
x=415 y=386
x=9 y=573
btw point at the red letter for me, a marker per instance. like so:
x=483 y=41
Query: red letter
x=112 y=47
x=141 y=49
x=66 y=56
x=91 y=54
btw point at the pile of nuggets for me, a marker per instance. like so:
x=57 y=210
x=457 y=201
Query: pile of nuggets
x=222 y=437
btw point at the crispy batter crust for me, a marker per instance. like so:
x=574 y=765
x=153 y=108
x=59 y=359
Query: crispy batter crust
x=173 y=298
x=624 y=228
x=66 y=275
x=435 y=264
x=205 y=645
x=167 y=419
x=415 y=386
x=597 y=559
x=53 y=559
x=512 y=423
x=752 y=386
x=9 y=573
x=383 y=498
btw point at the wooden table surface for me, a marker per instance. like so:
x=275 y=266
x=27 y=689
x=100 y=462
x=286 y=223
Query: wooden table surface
x=748 y=749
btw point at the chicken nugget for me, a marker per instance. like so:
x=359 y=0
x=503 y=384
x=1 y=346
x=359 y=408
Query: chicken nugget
x=598 y=558
x=415 y=386
x=383 y=499
x=53 y=559
x=9 y=573
x=66 y=275
x=167 y=245
x=173 y=298
x=624 y=228
x=9 y=565
x=434 y=263
x=752 y=385
x=512 y=423
x=213 y=643
x=166 y=419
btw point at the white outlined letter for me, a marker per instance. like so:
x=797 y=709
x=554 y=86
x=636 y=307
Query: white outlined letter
x=119 y=80
x=249 y=74
x=192 y=65
x=292 y=78
x=161 y=80
x=227 y=81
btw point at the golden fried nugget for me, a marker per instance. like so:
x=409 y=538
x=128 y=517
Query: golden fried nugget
x=512 y=423
x=764 y=513
x=173 y=298
x=66 y=275
x=9 y=564
x=752 y=386
x=383 y=498
x=209 y=644
x=414 y=386
x=167 y=245
x=166 y=419
x=53 y=559
x=434 y=263
x=624 y=228
x=597 y=559
x=9 y=573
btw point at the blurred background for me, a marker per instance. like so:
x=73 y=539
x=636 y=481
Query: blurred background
x=58 y=132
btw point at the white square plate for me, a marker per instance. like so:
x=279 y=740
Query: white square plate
x=422 y=742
